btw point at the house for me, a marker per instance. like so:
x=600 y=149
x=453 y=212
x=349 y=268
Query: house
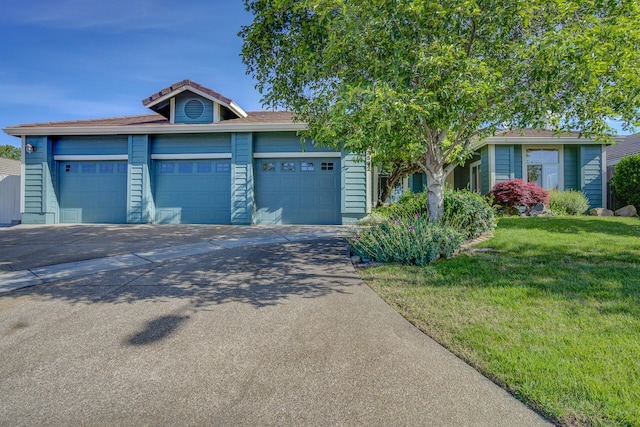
x=630 y=145
x=554 y=162
x=198 y=157
x=9 y=191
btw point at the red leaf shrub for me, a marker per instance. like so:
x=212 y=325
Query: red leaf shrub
x=517 y=192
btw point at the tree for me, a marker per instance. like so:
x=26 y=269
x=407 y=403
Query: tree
x=429 y=79
x=10 y=152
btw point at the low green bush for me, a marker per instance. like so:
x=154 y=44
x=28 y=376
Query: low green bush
x=408 y=206
x=569 y=202
x=468 y=212
x=626 y=181
x=412 y=241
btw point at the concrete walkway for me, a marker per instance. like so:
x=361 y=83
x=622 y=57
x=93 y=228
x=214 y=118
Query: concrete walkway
x=219 y=326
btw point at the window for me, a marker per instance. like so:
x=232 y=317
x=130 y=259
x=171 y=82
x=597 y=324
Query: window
x=106 y=167
x=268 y=166
x=89 y=168
x=327 y=166
x=166 y=168
x=543 y=167
x=476 y=177
x=222 y=167
x=204 y=167
x=288 y=166
x=122 y=168
x=71 y=168
x=185 y=167
x=307 y=166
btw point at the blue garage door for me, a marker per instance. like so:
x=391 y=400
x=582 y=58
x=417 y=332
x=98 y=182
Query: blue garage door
x=93 y=192
x=193 y=191
x=298 y=191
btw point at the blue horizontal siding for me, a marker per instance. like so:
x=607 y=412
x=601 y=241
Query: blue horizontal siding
x=180 y=114
x=191 y=143
x=273 y=142
x=91 y=145
x=504 y=164
x=591 y=163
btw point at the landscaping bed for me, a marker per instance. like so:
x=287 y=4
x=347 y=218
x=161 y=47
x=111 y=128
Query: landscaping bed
x=553 y=315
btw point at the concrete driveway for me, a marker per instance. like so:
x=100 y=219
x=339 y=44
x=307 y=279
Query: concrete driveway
x=278 y=333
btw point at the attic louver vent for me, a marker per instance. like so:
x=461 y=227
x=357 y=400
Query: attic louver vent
x=194 y=109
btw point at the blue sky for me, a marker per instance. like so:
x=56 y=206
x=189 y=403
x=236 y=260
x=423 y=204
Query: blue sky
x=82 y=59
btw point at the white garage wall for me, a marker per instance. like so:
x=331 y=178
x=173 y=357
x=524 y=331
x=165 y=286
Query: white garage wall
x=9 y=198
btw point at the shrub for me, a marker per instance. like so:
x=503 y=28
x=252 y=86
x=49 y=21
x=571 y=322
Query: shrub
x=409 y=204
x=407 y=241
x=468 y=212
x=569 y=202
x=516 y=192
x=626 y=181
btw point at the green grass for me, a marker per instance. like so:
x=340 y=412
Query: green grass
x=554 y=317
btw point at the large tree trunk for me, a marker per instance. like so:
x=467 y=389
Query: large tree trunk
x=435 y=190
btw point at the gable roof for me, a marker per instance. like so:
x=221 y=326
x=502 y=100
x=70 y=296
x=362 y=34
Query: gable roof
x=158 y=98
x=9 y=167
x=630 y=145
x=155 y=123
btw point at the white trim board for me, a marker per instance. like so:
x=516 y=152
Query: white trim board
x=191 y=156
x=292 y=155
x=222 y=126
x=87 y=157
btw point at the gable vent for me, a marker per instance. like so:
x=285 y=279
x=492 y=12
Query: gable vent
x=194 y=109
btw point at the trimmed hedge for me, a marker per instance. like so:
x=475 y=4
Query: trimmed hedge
x=626 y=181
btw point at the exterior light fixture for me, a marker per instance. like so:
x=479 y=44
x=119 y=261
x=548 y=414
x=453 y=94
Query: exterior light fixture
x=30 y=148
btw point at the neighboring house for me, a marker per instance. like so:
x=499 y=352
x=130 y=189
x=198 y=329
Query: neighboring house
x=630 y=145
x=9 y=191
x=198 y=158
x=553 y=162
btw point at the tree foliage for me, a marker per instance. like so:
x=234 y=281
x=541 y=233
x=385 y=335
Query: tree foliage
x=10 y=152
x=626 y=180
x=427 y=79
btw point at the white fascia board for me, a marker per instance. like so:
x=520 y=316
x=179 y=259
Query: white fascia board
x=232 y=106
x=539 y=140
x=236 y=109
x=90 y=157
x=191 y=156
x=219 y=127
x=293 y=154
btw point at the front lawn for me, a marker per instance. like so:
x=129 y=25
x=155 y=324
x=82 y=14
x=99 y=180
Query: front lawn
x=554 y=316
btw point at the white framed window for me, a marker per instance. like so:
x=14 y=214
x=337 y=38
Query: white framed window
x=476 y=177
x=543 y=165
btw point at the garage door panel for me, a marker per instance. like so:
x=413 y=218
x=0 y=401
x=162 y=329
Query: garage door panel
x=295 y=191
x=193 y=191
x=93 y=192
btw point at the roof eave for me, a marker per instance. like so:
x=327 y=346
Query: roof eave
x=153 y=129
x=231 y=105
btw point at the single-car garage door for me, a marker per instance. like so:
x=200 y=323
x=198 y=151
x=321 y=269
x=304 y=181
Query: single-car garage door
x=93 y=192
x=297 y=191
x=193 y=191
